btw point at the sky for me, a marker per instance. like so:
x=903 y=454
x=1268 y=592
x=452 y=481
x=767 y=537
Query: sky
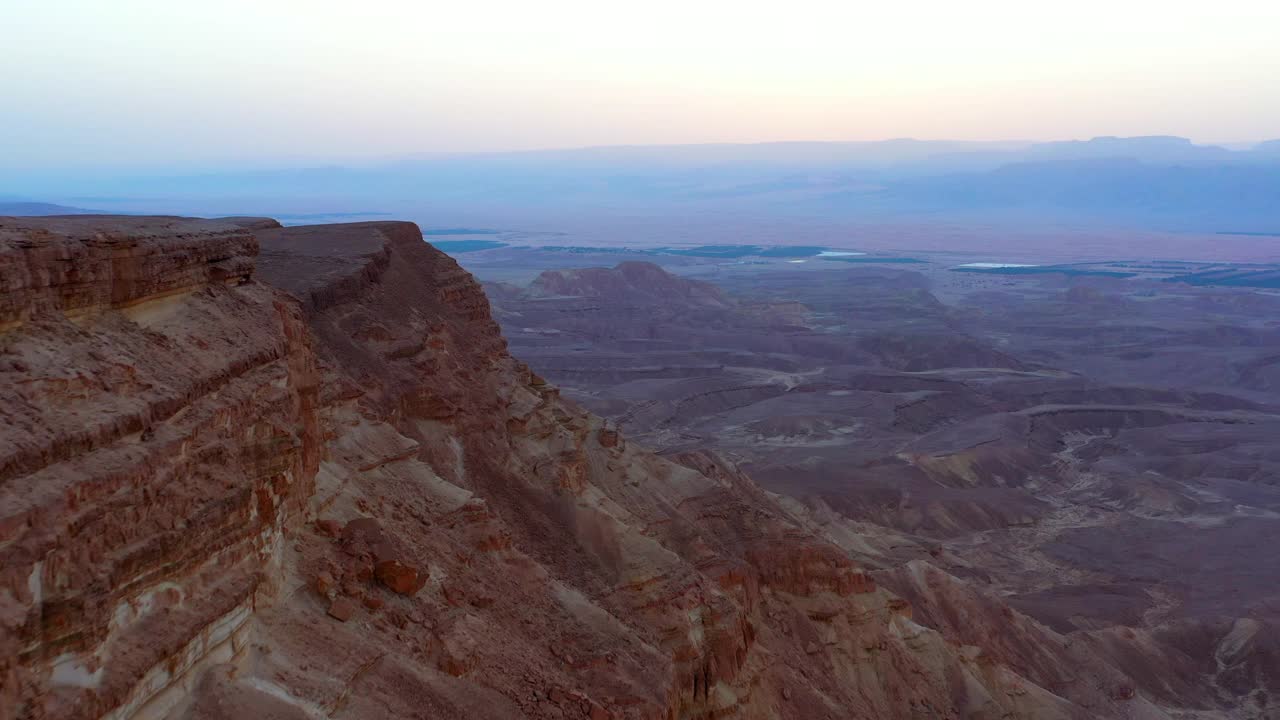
x=240 y=82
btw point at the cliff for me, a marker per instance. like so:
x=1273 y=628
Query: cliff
x=160 y=438
x=251 y=471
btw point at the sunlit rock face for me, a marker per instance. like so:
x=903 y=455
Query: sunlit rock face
x=250 y=471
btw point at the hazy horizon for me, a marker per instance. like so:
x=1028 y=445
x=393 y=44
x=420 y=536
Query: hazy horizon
x=269 y=162
x=145 y=84
x=496 y=109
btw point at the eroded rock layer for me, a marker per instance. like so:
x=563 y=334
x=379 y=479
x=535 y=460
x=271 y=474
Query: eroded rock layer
x=323 y=488
x=159 y=438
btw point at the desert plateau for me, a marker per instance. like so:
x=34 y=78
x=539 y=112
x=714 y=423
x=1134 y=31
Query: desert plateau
x=666 y=361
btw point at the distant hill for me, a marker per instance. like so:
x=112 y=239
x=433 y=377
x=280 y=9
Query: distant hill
x=1155 y=149
x=1270 y=147
x=1208 y=196
x=1161 y=182
x=26 y=208
x=628 y=281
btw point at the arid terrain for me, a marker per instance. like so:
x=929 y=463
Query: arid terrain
x=818 y=360
x=300 y=473
x=1091 y=452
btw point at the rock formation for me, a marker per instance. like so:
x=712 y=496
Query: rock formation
x=630 y=280
x=1065 y=475
x=253 y=471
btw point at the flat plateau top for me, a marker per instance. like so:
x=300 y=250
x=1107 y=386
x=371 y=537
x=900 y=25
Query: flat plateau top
x=88 y=225
x=304 y=258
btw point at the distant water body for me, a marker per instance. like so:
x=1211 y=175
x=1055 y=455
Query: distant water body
x=993 y=266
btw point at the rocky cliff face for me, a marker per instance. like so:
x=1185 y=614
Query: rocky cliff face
x=160 y=438
x=323 y=488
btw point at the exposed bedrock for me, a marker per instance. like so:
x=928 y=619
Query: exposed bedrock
x=159 y=437
x=321 y=487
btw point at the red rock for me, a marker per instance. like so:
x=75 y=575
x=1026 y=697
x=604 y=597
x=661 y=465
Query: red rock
x=454 y=666
x=266 y=503
x=608 y=438
x=342 y=609
x=362 y=534
x=324 y=583
x=454 y=596
x=250 y=386
x=400 y=578
x=900 y=606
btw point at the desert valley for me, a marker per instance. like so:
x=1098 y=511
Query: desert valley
x=664 y=361
x=313 y=471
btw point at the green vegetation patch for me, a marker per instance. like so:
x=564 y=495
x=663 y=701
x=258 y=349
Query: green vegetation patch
x=872 y=259
x=795 y=251
x=459 y=231
x=465 y=246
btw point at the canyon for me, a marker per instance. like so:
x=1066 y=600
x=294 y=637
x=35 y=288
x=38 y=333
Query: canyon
x=297 y=472
x=1091 y=449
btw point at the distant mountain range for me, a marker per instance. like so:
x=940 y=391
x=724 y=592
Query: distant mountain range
x=1156 y=149
x=1203 y=194
x=27 y=208
x=1158 y=181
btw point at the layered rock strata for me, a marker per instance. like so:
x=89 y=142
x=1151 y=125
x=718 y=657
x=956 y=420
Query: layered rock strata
x=320 y=486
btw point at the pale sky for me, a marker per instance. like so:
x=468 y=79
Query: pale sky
x=102 y=82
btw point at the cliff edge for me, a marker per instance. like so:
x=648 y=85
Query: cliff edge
x=253 y=471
